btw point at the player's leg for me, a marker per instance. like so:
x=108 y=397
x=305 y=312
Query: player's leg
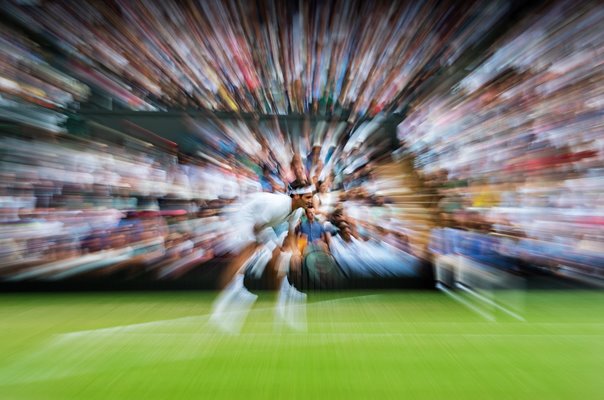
x=236 y=265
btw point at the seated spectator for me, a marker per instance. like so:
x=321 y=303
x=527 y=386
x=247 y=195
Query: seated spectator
x=323 y=201
x=313 y=230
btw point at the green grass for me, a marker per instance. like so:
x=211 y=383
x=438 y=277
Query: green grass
x=364 y=345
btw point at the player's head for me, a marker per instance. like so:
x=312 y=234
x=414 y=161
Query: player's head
x=301 y=193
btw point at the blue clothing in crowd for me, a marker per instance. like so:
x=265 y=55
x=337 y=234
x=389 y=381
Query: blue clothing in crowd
x=313 y=230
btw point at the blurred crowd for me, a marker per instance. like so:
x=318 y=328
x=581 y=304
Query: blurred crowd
x=268 y=56
x=515 y=150
x=135 y=209
x=507 y=160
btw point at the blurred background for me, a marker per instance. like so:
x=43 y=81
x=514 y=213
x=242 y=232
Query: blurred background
x=456 y=150
x=439 y=135
x=449 y=142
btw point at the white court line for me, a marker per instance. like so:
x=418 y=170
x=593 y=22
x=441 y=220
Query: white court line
x=202 y=317
x=461 y=300
x=487 y=300
x=205 y=317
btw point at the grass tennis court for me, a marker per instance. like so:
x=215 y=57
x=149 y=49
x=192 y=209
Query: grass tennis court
x=416 y=345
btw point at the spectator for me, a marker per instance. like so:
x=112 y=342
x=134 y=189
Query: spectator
x=313 y=230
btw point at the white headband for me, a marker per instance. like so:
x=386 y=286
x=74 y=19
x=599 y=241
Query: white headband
x=303 y=190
